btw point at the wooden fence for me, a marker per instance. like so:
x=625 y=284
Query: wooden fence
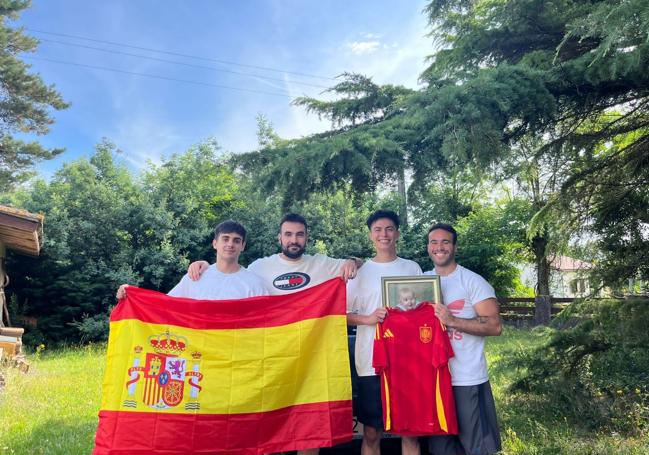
x=522 y=308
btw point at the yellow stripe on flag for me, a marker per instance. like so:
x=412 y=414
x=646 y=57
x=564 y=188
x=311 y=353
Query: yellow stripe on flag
x=244 y=370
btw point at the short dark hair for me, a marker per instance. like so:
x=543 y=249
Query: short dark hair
x=444 y=227
x=378 y=214
x=228 y=227
x=293 y=218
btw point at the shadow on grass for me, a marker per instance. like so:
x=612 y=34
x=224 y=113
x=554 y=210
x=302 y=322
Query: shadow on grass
x=52 y=437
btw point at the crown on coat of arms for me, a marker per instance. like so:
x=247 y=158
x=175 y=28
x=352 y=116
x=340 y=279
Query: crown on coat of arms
x=168 y=343
x=196 y=355
x=137 y=349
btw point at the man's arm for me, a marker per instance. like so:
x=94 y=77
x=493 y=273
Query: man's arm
x=196 y=269
x=485 y=323
x=373 y=318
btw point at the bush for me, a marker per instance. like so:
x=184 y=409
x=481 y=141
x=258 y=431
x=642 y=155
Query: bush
x=594 y=369
x=93 y=328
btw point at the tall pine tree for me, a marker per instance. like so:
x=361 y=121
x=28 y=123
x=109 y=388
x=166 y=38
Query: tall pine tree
x=25 y=101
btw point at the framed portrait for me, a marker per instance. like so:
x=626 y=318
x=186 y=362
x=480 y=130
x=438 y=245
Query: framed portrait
x=407 y=292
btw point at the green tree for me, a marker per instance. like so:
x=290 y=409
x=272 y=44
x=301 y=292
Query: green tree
x=25 y=102
x=555 y=72
x=353 y=155
x=105 y=228
x=86 y=251
x=492 y=242
x=192 y=192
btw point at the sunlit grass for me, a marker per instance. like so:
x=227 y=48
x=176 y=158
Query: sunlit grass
x=527 y=425
x=53 y=409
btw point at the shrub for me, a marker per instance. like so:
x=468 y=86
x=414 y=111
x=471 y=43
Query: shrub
x=93 y=328
x=594 y=368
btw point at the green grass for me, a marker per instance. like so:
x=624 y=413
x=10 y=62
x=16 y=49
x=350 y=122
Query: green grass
x=528 y=424
x=53 y=409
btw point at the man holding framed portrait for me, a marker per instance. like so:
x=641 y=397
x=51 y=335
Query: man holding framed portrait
x=365 y=310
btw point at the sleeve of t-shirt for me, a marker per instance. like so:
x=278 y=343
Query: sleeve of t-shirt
x=331 y=265
x=416 y=269
x=255 y=267
x=480 y=289
x=181 y=289
x=380 y=358
x=259 y=286
x=352 y=296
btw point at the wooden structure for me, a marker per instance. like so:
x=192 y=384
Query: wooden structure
x=22 y=232
x=522 y=309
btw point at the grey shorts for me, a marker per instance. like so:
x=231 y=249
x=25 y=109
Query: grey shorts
x=476 y=418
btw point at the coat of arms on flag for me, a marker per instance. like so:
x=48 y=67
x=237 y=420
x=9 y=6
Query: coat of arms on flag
x=164 y=373
x=250 y=376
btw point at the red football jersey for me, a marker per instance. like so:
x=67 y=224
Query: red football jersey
x=411 y=352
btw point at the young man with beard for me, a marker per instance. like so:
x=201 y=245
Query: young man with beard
x=292 y=270
x=365 y=310
x=470 y=313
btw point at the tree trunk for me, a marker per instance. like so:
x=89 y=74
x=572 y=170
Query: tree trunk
x=542 y=302
x=403 y=202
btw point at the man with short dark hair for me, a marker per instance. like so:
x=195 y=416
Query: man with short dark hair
x=470 y=313
x=224 y=280
x=365 y=310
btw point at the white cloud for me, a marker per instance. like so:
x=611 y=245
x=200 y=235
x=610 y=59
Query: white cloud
x=399 y=60
x=363 y=47
x=142 y=139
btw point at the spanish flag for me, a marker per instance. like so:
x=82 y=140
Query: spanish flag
x=250 y=376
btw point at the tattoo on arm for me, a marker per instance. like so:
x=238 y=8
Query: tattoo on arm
x=482 y=319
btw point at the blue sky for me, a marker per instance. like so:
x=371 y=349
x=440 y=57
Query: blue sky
x=149 y=118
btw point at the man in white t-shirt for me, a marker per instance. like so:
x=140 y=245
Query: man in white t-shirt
x=470 y=313
x=292 y=270
x=224 y=280
x=365 y=310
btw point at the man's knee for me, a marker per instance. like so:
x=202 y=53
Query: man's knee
x=371 y=435
x=410 y=445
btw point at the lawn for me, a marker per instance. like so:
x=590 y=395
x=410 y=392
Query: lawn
x=53 y=409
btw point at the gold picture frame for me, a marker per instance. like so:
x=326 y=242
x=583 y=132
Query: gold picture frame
x=423 y=288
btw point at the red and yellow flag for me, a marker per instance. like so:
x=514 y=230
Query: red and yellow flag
x=250 y=376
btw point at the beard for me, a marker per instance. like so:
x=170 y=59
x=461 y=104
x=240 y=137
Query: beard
x=293 y=254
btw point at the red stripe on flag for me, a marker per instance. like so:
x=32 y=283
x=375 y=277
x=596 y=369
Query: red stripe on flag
x=293 y=428
x=325 y=299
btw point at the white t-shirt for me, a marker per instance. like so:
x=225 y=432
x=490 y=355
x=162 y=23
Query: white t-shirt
x=283 y=277
x=460 y=291
x=364 y=296
x=216 y=285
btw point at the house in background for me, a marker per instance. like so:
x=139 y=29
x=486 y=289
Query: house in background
x=568 y=277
